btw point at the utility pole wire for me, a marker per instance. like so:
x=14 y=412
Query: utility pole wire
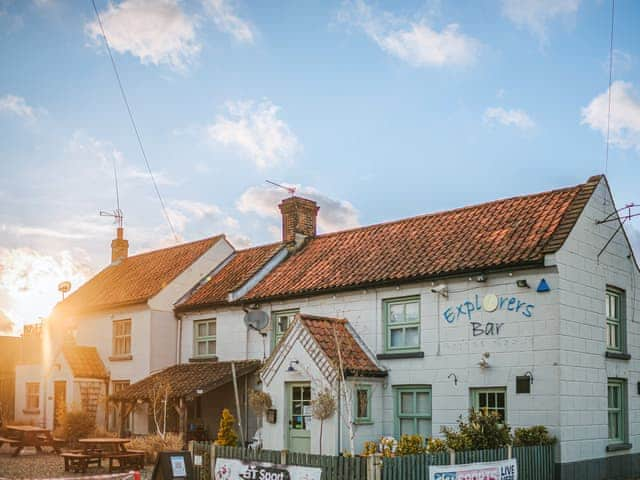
x=133 y=123
x=606 y=158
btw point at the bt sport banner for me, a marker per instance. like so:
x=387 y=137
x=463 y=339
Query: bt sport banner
x=503 y=470
x=232 y=469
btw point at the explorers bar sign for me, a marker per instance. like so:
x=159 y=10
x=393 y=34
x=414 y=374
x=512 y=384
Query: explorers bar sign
x=490 y=303
x=232 y=469
x=504 y=470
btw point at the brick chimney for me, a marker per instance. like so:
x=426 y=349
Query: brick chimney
x=119 y=247
x=299 y=217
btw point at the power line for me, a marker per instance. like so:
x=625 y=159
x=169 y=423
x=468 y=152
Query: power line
x=133 y=123
x=606 y=158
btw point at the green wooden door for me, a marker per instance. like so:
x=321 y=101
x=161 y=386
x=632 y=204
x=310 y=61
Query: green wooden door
x=299 y=427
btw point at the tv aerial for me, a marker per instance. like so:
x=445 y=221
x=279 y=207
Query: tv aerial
x=116 y=214
x=291 y=190
x=64 y=287
x=619 y=215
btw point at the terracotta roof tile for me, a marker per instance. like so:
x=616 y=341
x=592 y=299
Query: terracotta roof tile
x=503 y=233
x=331 y=332
x=85 y=362
x=186 y=378
x=134 y=279
x=244 y=265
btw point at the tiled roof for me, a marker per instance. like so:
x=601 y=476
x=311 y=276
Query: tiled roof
x=329 y=333
x=244 y=265
x=504 y=233
x=85 y=362
x=135 y=279
x=186 y=378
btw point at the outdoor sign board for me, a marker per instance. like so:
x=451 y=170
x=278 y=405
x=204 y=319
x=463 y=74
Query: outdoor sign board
x=232 y=469
x=173 y=466
x=503 y=470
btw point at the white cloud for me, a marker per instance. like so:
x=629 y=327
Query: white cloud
x=514 y=117
x=333 y=215
x=27 y=231
x=223 y=15
x=6 y=324
x=155 y=31
x=412 y=41
x=29 y=281
x=18 y=106
x=255 y=130
x=536 y=14
x=625 y=115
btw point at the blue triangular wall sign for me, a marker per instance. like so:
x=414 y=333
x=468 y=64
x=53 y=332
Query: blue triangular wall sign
x=543 y=286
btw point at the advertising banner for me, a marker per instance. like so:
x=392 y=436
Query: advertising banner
x=232 y=469
x=502 y=470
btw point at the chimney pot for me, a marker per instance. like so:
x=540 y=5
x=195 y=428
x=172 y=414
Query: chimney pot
x=119 y=247
x=299 y=217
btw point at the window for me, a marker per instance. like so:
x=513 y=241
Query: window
x=205 y=338
x=490 y=400
x=402 y=323
x=615 y=320
x=33 y=395
x=122 y=337
x=281 y=321
x=413 y=411
x=118 y=386
x=617 y=410
x=362 y=407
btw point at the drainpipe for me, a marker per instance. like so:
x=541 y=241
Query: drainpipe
x=339 y=419
x=179 y=341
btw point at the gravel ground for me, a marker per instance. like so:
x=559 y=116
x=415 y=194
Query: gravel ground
x=30 y=464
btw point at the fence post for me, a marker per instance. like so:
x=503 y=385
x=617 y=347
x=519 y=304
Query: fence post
x=212 y=458
x=509 y=452
x=283 y=457
x=452 y=457
x=191 y=448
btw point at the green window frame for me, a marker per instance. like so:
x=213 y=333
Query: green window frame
x=412 y=410
x=617 y=410
x=362 y=404
x=492 y=399
x=204 y=338
x=402 y=324
x=281 y=320
x=615 y=318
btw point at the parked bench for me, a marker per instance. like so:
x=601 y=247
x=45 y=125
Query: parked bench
x=79 y=462
x=9 y=441
x=125 y=460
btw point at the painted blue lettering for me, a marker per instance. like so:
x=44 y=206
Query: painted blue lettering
x=512 y=302
x=470 y=308
x=449 y=316
x=478 y=304
x=460 y=312
x=520 y=305
x=527 y=312
x=501 y=302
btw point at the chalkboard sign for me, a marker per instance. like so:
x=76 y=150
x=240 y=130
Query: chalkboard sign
x=173 y=465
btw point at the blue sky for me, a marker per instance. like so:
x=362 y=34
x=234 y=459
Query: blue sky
x=378 y=110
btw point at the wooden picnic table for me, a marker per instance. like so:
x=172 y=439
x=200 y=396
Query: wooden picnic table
x=102 y=443
x=30 y=436
x=109 y=448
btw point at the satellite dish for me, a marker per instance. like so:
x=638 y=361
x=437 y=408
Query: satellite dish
x=256 y=319
x=64 y=287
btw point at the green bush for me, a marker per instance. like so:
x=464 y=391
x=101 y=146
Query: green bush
x=536 y=435
x=411 y=445
x=227 y=435
x=74 y=425
x=484 y=430
x=436 y=445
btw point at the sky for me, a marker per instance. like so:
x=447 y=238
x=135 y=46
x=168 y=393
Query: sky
x=377 y=110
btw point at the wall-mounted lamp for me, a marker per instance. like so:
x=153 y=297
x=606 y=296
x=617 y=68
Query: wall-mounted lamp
x=455 y=378
x=522 y=283
x=483 y=363
x=441 y=289
x=199 y=391
x=291 y=367
x=481 y=278
x=530 y=375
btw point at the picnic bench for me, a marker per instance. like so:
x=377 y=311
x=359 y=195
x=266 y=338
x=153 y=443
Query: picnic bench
x=29 y=436
x=111 y=449
x=80 y=461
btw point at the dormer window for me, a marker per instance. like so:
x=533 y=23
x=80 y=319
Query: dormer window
x=281 y=321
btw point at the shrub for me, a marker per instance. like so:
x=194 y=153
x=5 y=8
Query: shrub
x=436 y=445
x=411 y=445
x=227 y=435
x=74 y=425
x=259 y=402
x=536 y=435
x=484 y=430
x=152 y=444
x=370 y=448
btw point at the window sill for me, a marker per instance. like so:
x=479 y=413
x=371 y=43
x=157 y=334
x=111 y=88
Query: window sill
x=210 y=358
x=363 y=422
x=120 y=358
x=398 y=355
x=617 y=355
x=28 y=411
x=616 y=447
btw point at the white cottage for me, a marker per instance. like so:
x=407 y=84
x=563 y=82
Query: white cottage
x=525 y=306
x=125 y=314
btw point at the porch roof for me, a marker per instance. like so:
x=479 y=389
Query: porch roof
x=185 y=379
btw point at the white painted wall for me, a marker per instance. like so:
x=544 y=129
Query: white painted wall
x=584 y=370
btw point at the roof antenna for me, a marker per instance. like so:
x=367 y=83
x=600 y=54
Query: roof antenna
x=117 y=214
x=615 y=216
x=291 y=190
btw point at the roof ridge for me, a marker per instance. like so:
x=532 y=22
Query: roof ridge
x=180 y=245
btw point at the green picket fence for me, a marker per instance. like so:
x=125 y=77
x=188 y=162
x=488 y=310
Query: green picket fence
x=534 y=463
